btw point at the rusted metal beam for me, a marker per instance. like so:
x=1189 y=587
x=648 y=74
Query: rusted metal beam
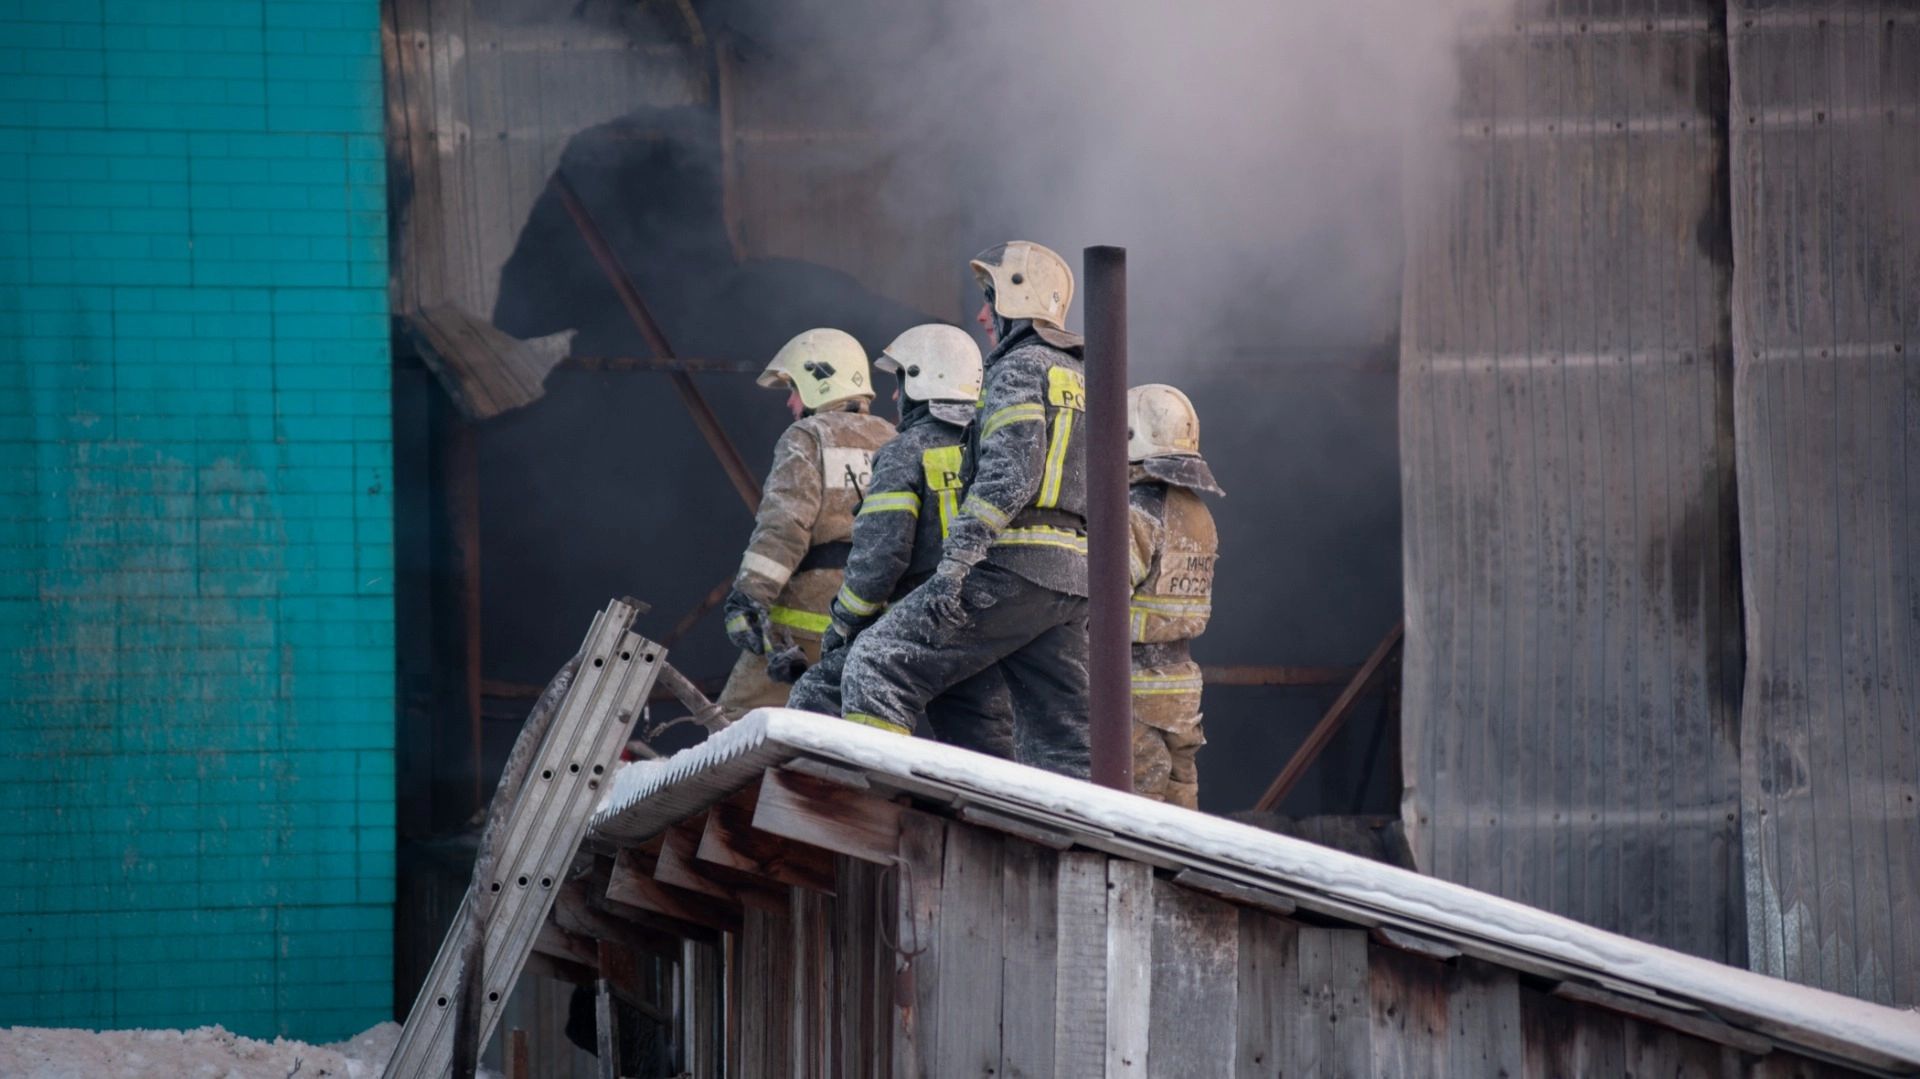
x=1109 y=658
x=703 y=415
x=618 y=364
x=1278 y=676
x=708 y=602
x=1330 y=723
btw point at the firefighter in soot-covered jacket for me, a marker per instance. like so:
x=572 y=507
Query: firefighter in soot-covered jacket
x=1010 y=590
x=901 y=529
x=793 y=565
x=1171 y=560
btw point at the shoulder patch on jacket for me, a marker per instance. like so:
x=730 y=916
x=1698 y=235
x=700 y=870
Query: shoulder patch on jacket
x=943 y=468
x=846 y=468
x=1066 y=388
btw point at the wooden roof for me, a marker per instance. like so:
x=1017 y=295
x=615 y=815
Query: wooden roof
x=1232 y=861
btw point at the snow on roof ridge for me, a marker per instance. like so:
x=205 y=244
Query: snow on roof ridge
x=1449 y=908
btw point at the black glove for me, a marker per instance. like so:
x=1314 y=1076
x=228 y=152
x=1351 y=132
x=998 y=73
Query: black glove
x=787 y=665
x=943 y=591
x=746 y=622
x=834 y=639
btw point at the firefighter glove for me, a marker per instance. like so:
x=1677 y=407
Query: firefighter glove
x=836 y=638
x=746 y=622
x=787 y=665
x=943 y=591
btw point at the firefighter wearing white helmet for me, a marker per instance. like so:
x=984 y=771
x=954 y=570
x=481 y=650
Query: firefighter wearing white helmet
x=1171 y=559
x=1010 y=590
x=898 y=535
x=792 y=567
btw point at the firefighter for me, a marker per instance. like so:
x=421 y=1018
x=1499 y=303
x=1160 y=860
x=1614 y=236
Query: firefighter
x=1171 y=559
x=1011 y=585
x=777 y=610
x=918 y=479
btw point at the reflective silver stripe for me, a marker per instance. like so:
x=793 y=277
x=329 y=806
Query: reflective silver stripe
x=994 y=516
x=1155 y=686
x=756 y=563
x=854 y=603
x=1020 y=413
x=1164 y=605
x=1042 y=536
x=891 y=502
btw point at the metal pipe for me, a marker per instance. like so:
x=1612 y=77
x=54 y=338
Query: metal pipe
x=1109 y=659
x=703 y=415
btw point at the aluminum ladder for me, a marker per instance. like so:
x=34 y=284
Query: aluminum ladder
x=526 y=852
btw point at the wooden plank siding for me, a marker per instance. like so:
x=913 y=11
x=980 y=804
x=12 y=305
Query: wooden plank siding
x=1572 y=665
x=1826 y=327
x=970 y=951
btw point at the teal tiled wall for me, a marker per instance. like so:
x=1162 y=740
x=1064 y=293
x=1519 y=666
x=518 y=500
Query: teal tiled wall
x=196 y=558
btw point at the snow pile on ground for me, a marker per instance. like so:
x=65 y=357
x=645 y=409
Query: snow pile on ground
x=202 y=1053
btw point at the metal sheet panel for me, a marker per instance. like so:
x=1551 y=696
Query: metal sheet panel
x=483 y=96
x=1826 y=211
x=1572 y=657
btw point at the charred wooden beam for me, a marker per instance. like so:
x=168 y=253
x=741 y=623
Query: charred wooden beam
x=731 y=840
x=634 y=885
x=679 y=866
x=575 y=911
x=821 y=813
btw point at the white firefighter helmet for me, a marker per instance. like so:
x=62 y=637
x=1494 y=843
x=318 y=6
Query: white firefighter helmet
x=935 y=362
x=825 y=366
x=1160 y=423
x=1028 y=281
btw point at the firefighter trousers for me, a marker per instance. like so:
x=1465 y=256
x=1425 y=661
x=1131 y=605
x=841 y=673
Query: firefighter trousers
x=975 y=714
x=1035 y=636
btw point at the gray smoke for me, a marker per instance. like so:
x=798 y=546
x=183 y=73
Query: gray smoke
x=1249 y=153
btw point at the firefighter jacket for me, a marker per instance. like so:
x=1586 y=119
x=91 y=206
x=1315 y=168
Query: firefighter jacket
x=794 y=562
x=1026 y=508
x=1171 y=559
x=918 y=479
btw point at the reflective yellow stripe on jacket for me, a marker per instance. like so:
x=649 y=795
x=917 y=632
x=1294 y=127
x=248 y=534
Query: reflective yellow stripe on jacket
x=942 y=465
x=1144 y=606
x=798 y=619
x=1067 y=392
x=891 y=502
x=1026 y=411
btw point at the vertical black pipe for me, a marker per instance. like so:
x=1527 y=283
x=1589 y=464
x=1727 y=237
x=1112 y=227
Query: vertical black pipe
x=1109 y=659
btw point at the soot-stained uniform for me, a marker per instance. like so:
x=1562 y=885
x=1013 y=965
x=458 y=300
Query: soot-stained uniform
x=898 y=534
x=793 y=564
x=1022 y=529
x=1171 y=556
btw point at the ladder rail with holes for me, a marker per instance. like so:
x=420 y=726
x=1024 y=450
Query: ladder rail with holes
x=543 y=831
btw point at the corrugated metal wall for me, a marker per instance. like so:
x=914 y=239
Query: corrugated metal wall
x=1613 y=304
x=1826 y=302
x=1572 y=657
